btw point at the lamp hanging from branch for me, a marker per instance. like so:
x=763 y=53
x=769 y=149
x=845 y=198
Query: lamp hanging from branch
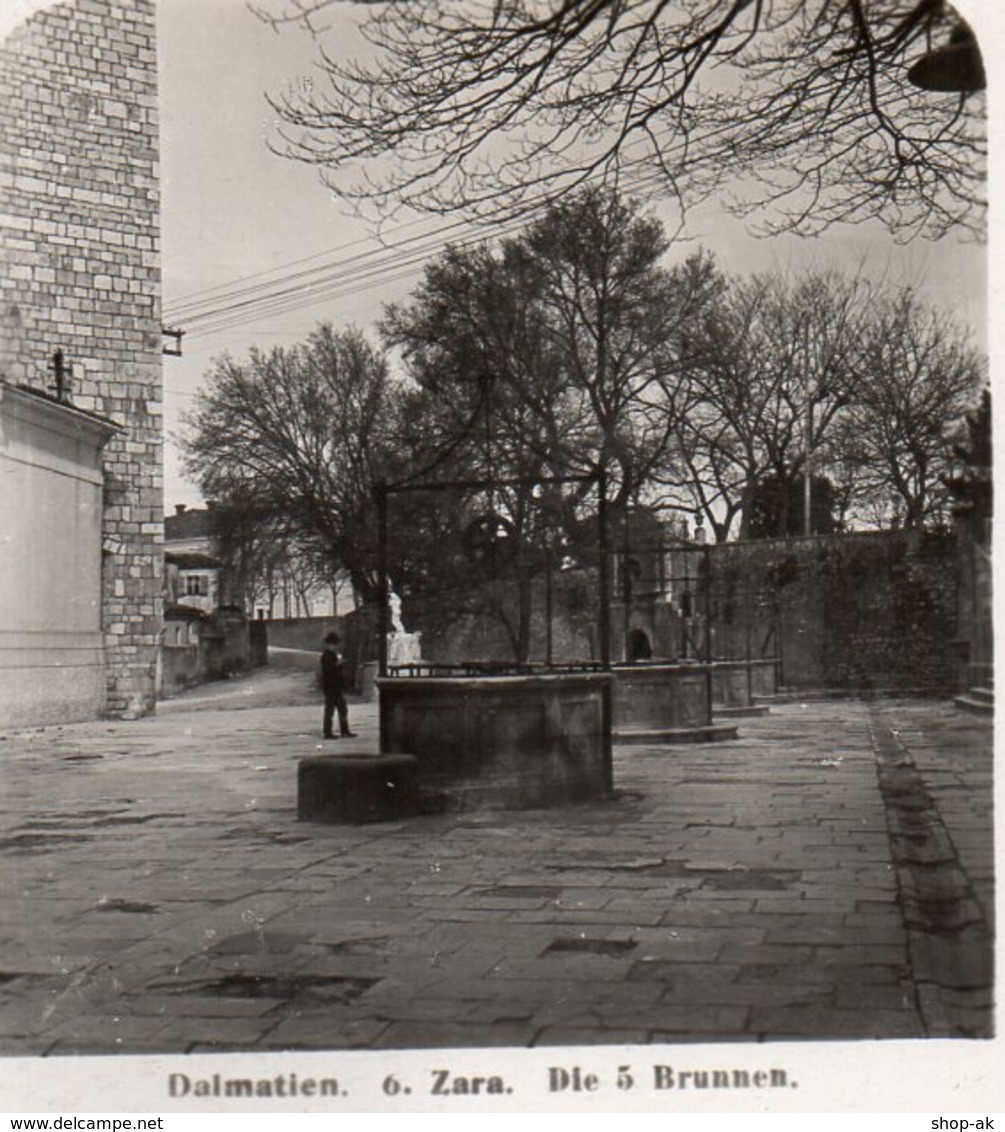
x=954 y=68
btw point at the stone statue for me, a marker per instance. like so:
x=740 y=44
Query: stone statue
x=402 y=647
x=395 y=603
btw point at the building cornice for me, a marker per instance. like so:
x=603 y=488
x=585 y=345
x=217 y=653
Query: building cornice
x=43 y=411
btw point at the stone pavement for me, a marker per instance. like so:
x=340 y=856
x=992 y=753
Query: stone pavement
x=829 y=875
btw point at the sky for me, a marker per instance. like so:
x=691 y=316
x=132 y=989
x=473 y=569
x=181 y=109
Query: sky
x=233 y=211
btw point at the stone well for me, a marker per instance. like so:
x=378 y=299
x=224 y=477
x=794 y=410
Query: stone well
x=665 y=702
x=736 y=685
x=504 y=741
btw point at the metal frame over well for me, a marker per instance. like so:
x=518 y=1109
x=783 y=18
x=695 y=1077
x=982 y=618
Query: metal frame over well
x=385 y=490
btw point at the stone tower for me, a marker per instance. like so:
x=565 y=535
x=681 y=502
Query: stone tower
x=80 y=273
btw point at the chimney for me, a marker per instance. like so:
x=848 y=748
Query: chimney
x=179 y=508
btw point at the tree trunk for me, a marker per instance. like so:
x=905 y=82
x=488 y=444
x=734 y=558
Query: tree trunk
x=525 y=597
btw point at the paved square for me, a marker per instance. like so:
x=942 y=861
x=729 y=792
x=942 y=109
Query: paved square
x=829 y=875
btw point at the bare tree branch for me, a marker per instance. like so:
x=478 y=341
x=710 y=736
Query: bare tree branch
x=498 y=107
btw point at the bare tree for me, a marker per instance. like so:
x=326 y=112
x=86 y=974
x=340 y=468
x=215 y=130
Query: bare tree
x=770 y=368
x=570 y=335
x=508 y=105
x=919 y=376
x=243 y=540
x=555 y=355
x=303 y=432
x=615 y=315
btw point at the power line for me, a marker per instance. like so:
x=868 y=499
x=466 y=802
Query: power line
x=334 y=285
x=184 y=300
x=181 y=308
x=338 y=278
x=305 y=286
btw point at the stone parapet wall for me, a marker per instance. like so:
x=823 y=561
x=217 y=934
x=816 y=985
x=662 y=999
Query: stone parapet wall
x=870 y=610
x=80 y=272
x=305 y=632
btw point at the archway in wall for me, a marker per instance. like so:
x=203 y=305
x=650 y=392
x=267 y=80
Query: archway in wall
x=638 y=646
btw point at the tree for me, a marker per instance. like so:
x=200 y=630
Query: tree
x=488 y=405
x=553 y=356
x=302 y=432
x=776 y=510
x=245 y=542
x=568 y=337
x=508 y=105
x=918 y=376
x=467 y=550
x=488 y=383
x=615 y=317
x=770 y=367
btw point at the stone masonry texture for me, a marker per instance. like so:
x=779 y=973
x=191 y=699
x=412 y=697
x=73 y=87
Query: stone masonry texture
x=869 y=610
x=80 y=272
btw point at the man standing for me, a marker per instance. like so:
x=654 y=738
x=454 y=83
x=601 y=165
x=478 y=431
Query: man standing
x=333 y=683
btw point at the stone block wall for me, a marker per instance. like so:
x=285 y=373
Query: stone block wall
x=450 y=637
x=80 y=272
x=871 y=610
x=304 y=632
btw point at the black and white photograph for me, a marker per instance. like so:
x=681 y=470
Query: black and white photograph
x=496 y=600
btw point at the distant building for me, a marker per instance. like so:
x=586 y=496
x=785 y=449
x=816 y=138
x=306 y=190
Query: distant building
x=276 y=589
x=188 y=531
x=205 y=636
x=192 y=580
